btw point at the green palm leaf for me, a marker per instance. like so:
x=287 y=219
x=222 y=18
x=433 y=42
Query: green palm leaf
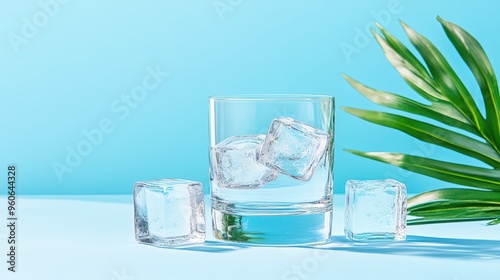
x=473 y=54
x=455 y=195
x=401 y=50
x=445 y=77
x=439 y=111
x=494 y=222
x=465 y=175
x=413 y=73
x=451 y=104
x=432 y=134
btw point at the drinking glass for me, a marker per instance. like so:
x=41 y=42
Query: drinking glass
x=285 y=210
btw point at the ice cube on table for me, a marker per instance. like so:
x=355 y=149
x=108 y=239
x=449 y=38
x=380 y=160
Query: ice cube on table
x=234 y=164
x=293 y=148
x=169 y=212
x=375 y=209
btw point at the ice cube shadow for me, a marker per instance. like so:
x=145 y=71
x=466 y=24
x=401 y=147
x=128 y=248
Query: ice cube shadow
x=423 y=246
x=215 y=247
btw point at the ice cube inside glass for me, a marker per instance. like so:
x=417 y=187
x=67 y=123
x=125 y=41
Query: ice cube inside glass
x=234 y=163
x=375 y=210
x=169 y=212
x=293 y=148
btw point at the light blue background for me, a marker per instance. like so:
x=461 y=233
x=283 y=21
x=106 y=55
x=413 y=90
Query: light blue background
x=66 y=78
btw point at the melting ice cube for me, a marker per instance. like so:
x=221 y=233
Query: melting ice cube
x=234 y=163
x=293 y=148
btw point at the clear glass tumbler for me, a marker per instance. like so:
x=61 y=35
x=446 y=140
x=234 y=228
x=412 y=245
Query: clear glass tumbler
x=281 y=209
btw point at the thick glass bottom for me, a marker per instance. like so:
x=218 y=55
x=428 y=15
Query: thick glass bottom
x=289 y=228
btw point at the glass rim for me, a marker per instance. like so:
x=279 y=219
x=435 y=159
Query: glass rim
x=270 y=97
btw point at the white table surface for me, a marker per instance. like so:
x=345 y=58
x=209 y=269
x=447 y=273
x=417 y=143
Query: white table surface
x=92 y=237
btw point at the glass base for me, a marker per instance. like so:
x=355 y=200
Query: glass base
x=272 y=230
